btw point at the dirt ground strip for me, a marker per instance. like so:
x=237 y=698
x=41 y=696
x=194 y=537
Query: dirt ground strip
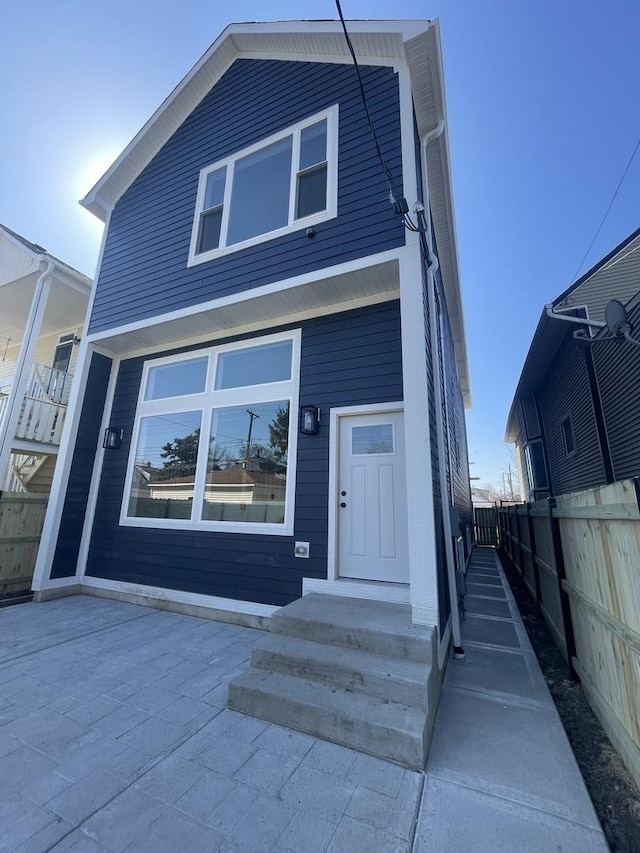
x=612 y=789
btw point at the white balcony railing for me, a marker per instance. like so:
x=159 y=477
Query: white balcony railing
x=44 y=405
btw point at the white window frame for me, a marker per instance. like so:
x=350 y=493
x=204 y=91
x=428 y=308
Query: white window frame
x=330 y=211
x=568 y=419
x=208 y=401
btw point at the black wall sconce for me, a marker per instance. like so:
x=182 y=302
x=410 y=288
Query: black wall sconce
x=112 y=438
x=309 y=420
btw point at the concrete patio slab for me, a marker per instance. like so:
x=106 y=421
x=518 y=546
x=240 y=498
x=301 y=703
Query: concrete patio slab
x=115 y=738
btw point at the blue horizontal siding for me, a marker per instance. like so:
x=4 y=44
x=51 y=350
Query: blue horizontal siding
x=144 y=270
x=254 y=567
x=68 y=545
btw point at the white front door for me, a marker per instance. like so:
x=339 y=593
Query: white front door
x=372 y=498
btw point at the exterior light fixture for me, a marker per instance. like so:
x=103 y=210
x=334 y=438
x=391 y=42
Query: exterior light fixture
x=112 y=438
x=309 y=420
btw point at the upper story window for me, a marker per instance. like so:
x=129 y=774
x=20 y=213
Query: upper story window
x=278 y=185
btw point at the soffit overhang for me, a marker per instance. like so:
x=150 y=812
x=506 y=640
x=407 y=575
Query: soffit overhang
x=249 y=311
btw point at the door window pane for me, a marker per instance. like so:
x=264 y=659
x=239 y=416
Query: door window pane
x=247 y=464
x=260 y=195
x=254 y=365
x=165 y=466
x=178 y=379
x=377 y=438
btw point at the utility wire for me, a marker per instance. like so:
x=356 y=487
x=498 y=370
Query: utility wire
x=396 y=200
x=606 y=213
x=389 y=177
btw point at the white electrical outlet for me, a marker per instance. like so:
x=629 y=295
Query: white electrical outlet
x=301 y=549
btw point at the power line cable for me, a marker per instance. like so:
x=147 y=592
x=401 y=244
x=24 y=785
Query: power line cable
x=387 y=173
x=613 y=198
x=398 y=201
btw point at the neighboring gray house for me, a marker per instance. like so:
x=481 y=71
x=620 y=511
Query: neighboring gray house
x=575 y=416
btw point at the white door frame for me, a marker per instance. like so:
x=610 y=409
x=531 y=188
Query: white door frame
x=334 y=461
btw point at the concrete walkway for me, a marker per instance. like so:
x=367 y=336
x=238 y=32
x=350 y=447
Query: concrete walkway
x=114 y=737
x=501 y=775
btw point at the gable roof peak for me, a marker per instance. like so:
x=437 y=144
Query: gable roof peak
x=373 y=39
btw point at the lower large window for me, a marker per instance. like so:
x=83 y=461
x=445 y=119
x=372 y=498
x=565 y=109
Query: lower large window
x=214 y=443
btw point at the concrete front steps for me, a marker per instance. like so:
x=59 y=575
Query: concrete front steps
x=349 y=670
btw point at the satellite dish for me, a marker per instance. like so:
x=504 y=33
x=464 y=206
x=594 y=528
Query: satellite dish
x=615 y=315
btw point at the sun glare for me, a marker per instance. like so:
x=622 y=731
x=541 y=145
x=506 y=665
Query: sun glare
x=92 y=168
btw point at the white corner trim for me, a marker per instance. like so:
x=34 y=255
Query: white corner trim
x=410 y=188
x=211 y=602
x=415 y=380
x=334 y=416
x=392 y=592
x=53 y=517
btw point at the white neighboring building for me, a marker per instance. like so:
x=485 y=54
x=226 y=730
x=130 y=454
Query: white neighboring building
x=43 y=303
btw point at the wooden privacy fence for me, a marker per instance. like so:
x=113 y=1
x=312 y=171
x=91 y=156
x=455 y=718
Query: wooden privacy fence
x=579 y=556
x=21 y=520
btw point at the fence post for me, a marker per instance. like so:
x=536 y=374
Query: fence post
x=558 y=558
x=521 y=554
x=534 y=563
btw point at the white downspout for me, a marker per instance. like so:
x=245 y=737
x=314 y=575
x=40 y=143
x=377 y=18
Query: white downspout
x=458 y=650
x=23 y=366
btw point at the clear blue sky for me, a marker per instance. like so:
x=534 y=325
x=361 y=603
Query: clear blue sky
x=543 y=117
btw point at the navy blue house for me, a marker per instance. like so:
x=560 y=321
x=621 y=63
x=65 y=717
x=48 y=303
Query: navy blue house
x=271 y=390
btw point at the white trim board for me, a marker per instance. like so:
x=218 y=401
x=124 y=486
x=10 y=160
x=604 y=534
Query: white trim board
x=53 y=517
x=152 y=596
x=392 y=592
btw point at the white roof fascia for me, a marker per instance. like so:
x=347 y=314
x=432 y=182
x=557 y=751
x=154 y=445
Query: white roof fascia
x=381 y=39
x=427 y=81
x=61 y=271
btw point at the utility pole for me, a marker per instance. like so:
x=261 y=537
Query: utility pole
x=252 y=417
